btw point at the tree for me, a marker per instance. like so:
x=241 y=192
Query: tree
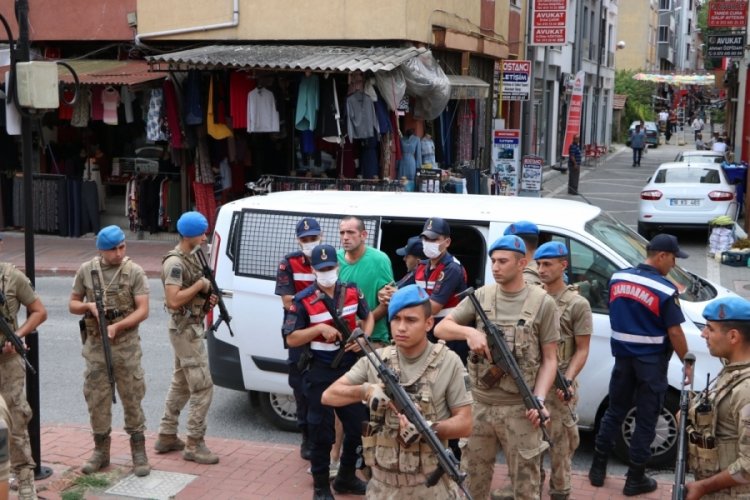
x=639 y=92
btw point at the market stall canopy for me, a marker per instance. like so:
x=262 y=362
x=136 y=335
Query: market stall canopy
x=286 y=57
x=686 y=79
x=104 y=72
x=468 y=87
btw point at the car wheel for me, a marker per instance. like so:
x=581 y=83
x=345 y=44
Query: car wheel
x=664 y=446
x=644 y=230
x=280 y=410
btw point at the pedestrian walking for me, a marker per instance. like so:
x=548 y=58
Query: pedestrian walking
x=637 y=143
x=718 y=427
x=645 y=317
x=528 y=317
x=186 y=292
x=697 y=126
x=575 y=157
x=15 y=291
x=124 y=290
x=437 y=375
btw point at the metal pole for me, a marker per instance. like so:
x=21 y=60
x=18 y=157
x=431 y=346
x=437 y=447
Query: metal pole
x=527 y=118
x=597 y=85
x=544 y=135
x=32 y=340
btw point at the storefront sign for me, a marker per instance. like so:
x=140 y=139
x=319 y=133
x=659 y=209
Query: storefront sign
x=727 y=14
x=549 y=20
x=516 y=80
x=531 y=175
x=573 y=126
x=726 y=45
x=506 y=159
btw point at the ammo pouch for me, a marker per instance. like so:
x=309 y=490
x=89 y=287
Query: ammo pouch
x=703 y=454
x=482 y=373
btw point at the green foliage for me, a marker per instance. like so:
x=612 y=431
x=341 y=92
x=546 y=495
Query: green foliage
x=83 y=483
x=638 y=105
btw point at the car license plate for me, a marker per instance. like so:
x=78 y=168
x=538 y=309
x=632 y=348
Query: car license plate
x=677 y=202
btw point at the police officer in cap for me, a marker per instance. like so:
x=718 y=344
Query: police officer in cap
x=412 y=254
x=125 y=293
x=719 y=420
x=294 y=275
x=308 y=324
x=433 y=375
x=529 y=233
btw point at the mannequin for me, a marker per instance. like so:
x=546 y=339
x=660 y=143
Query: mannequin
x=411 y=159
x=428 y=151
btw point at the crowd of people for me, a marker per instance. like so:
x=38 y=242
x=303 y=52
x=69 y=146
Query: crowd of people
x=435 y=343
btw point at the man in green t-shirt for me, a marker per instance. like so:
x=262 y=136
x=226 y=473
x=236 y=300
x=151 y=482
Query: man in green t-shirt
x=367 y=267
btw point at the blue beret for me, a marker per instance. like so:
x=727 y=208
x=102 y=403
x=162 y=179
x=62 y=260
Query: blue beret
x=192 y=224
x=521 y=227
x=728 y=309
x=408 y=296
x=551 y=250
x=109 y=237
x=323 y=256
x=511 y=243
x=308 y=227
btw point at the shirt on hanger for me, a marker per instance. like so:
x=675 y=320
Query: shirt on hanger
x=261 y=111
x=110 y=101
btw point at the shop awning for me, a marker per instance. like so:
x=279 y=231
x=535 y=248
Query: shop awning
x=104 y=72
x=286 y=57
x=468 y=87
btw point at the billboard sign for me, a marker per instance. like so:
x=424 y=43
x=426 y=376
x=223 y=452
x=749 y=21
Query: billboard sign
x=573 y=125
x=516 y=80
x=727 y=14
x=549 y=22
x=726 y=45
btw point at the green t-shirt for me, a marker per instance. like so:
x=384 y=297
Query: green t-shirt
x=370 y=273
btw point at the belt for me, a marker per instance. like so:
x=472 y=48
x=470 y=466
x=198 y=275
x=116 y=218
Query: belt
x=701 y=441
x=120 y=337
x=113 y=314
x=398 y=479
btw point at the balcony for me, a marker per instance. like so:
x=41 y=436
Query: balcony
x=665 y=51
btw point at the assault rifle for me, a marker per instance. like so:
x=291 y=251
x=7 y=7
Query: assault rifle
x=503 y=358
x=106 y=347
x=679 y=491
x=447 y=462
x=338 y=322
x=223 y=313
x=562 y=383
x=16 y=342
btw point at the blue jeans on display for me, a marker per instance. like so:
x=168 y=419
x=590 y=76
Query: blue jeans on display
x=637 y=156
x=642 y=381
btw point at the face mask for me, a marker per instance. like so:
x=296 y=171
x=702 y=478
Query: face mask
x=327 y=278
x=307 y=248
x=431 y=249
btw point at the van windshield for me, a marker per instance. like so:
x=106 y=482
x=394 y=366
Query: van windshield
x=633 y=249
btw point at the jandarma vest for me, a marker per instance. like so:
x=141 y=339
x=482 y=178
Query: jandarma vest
x=636 y=300
x=302 y=272
x=381 y=448
x=519 y=337
x=318 y=314
x=427 y=282
x=117 y=295
x=191 y=272
x=708 y=454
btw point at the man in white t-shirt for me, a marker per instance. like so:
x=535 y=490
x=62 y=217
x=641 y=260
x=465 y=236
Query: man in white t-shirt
x=697 y=126
x=719 y=146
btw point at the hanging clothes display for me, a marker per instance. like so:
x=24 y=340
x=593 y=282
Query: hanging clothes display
x=360 y=116
x=220 y=97
x=110 y=102
x=240 y=85
x=411 y=148
x=193 y=108
x=217 y=130
x=465 y=131
x=81 y=108
x=428 y=150
x=368 y=157
x=97 y=104
x=329 y=117
x=154 y=121
x=91 y=173
x=172 y=114
x=261 y=111
x=308 y=101
x=127 y=97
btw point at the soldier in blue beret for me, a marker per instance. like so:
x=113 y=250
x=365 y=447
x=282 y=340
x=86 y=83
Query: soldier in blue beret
x=437 y=375
x=719 y=421
x=529 y=233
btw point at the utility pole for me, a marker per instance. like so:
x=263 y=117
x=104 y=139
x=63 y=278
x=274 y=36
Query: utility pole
x=32 y=340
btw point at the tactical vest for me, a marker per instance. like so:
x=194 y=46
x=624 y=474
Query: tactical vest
x=194 y=310
x=118 y=297
x=428 y=282
x=6 y=269
x=708 y=455
x=302 y=272
x=382 y=448
x=520 y=339
x=318 y=314
x=567 y=346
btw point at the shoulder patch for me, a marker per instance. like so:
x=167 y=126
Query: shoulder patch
x=176 y=272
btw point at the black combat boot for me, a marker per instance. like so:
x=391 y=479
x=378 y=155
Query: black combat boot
x=322 y=486
x=305 y=450
x=347 y=481
x=598 y=470
x=637 y=481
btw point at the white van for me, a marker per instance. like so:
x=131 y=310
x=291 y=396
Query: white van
x=254 y=233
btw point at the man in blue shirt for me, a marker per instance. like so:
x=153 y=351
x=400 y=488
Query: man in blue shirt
x=574 y=164
x=637 y=142
x=645 y=317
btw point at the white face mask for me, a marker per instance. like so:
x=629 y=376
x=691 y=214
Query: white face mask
x=431 y=249
x=327 y=278
x=307 y=248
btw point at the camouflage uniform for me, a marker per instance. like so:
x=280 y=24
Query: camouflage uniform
x=191 y=379
x=529 y=320
x=575 y=319
x=121 y=284
x=435 y=379
x=531 y=273
x=17 y=290
x=5 y=425
x=719 y=439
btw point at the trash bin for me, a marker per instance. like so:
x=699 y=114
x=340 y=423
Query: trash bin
x=737 y=174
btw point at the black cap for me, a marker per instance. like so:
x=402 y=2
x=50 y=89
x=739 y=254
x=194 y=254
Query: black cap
x=323 y=256
x=413 y=247
x=435 y=227
x=666 y=243
x=307 y=227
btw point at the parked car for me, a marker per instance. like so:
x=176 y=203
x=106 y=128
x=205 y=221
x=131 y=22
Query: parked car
x=652 y=132
x=252 y=235
x=685 y=195
x=699 y=156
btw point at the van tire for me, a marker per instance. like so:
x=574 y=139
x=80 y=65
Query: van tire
x=665 y=452
x=279 y=409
